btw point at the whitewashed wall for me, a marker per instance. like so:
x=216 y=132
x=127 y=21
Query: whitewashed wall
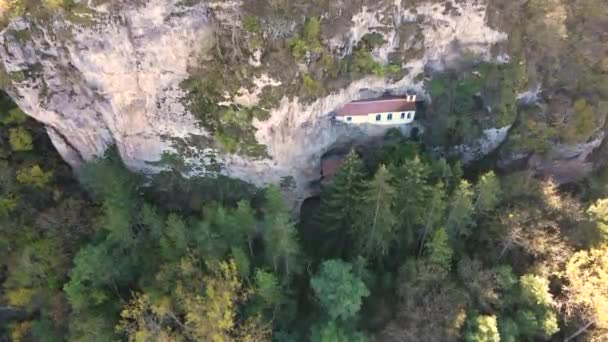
x=371 y=118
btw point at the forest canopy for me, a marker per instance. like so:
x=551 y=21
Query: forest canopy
x=400 y=245
x=404 y=244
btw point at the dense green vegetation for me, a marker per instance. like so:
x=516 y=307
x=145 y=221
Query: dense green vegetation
x=44 y=219
x=473 y=99
x=555 y=41
x=401 y=245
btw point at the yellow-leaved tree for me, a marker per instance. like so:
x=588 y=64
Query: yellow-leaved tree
x=203 y=307
x=587 y=292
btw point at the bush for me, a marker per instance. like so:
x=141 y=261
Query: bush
x=20 y=140
x=34 y=176
x=298 y=47
x=582 y=125
x=14 y=116
x=310 y=39
x=43 y=8
x=364 y=63
x=7 y=204
x=270 y=97
x=313 y=87
x=372 y=40
x=251 y=24
x=393 y=69
x=312 y=31
x=438 y=86
x=533 y=136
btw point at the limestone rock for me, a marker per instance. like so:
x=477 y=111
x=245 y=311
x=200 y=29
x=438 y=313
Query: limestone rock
x=117 y=81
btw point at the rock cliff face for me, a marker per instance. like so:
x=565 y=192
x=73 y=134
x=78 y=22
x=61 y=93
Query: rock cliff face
x=116 y=80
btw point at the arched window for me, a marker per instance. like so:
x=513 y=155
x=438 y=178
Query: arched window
x=409 y=115
x=378 y=117
x=389 y=116
x=349 y=118
x=402 y=116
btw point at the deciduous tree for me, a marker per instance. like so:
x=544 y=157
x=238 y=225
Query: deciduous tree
x=587 y=291
x=482 y=328
x=34 y=176
x=599 y=213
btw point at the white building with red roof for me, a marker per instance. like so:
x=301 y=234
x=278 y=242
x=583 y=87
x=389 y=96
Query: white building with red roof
x=382 y=111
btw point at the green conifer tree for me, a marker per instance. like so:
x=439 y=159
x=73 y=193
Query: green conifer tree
x=340 y=202
x=439 y=250
x=376 y=230
x=461 y=211
x=412 y=195
x=339 y=291
x=487 y=191
x=280 y=235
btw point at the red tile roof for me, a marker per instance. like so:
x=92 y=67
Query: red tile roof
x=376 y=106
x=330 y=166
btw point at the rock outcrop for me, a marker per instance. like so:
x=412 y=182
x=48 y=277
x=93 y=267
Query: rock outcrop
x=113 y=81
x=116 y=80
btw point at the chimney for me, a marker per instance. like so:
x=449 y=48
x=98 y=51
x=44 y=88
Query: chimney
x=411 y=98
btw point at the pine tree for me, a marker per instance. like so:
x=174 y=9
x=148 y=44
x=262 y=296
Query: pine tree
x=116 y=187
x=244 y=225
x=461 y=211
x=268 y=291
x=488 y=192
x=439 y=250
x=174 y=242
x=435 y=208
x=340 y=202
x=275 y=204
x=280 y=235
x=412 y=195
x=376 y=230
x=281 y=243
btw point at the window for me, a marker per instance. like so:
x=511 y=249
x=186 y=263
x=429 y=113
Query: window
x=402 y=116
x=349 y=118
x=378 y=117
x=389 y=116
x=409 y=115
